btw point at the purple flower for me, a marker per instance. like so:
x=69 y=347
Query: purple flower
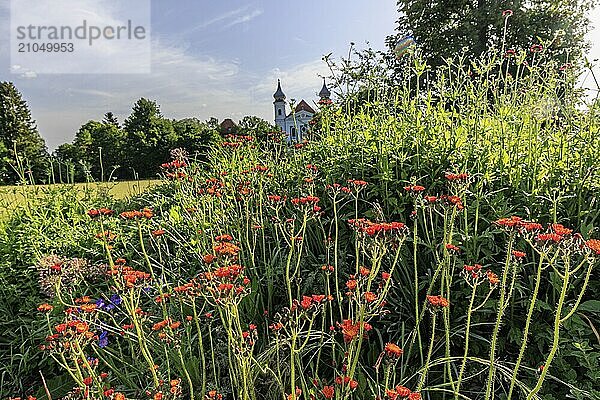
x=103 y=339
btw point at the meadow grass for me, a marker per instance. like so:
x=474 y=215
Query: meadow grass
x=13 y=196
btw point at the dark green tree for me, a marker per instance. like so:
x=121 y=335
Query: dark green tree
x=110 y=119
x=149 y=137
x=255 y=126
x=446 y=28
x=195 y=136
x=22 y=149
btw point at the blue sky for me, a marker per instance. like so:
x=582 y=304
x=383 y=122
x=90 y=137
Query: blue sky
x=214 y=58
x=209 y=58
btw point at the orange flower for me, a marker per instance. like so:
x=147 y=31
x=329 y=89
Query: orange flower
x=158 y=232
x=559 y=229
x=88 y=308
x=402 y=391
x=451 y=247
x=350 y=330
x=328 y=392
x=549 y=237
x=364 y=271
x=351 y=284
x=414 y=188
x=438 y=301
x=45 y=307
x=298 y=394
x=594 y=245
x=393 y=350
x=81 y=327
x=492 y=277
x=119 y=396
x=370 y=297
x=518 y=254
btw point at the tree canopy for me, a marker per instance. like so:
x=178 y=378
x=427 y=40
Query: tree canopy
x=445 y=28
x=23 y=152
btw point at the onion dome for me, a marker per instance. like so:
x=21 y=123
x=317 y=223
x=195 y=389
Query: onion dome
x=279 y=95
x=324 y=93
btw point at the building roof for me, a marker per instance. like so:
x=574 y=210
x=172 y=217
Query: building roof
x=279 y=95
x=227 y=125
x=324 y=93
x=303 y=106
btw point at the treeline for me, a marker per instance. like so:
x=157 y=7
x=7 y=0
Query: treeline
x=103 y=150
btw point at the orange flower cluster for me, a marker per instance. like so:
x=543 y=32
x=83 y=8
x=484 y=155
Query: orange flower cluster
x=346 y=381
x=336 y=187
x=175 y=164
x=492 y=278
x=226 y=249
x=456 y=177
x=414 y=188
x=351 y=330
x=518 y=224
x=309 y=301
x=472 y=271
x=452 y=201
x=357 y=183
x=437 y=301
x=308 y=200
x=95 y=213
x=559 y=229
x=549 y=237
x=163 y=324
x=236 y=140
x=276 y=198
x=145 y=213
x=402 y=392
x=377 y=229
x=212 y=187
x=73 y=329
x=213 y=395
x=107 y=235
x=130 y=276
x=45 y=307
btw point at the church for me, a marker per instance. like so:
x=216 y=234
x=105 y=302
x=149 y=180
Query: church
x=296 y=123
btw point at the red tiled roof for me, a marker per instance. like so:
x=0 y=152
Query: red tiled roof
x=227 y=124
x=303 y=106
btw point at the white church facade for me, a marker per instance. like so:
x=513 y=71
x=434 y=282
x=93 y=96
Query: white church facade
x=295 y=125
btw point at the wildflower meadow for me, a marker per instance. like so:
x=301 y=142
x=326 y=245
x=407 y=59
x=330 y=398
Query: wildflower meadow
x=434 y=239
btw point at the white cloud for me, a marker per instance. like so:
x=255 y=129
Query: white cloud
x=244 y=18
x=235 y=16
x=301 y=81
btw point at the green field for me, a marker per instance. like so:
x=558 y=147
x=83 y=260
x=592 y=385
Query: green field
x=13 y=196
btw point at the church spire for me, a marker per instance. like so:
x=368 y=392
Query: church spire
x=279 y=95
x=324 y=94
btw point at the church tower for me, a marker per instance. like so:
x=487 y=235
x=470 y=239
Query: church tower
x=324 y=94
x=279 y=104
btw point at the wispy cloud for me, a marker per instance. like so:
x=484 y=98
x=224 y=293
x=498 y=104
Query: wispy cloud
x=244 y=18
x=235 y=17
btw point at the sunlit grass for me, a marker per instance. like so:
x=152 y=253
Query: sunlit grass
x=13 y=196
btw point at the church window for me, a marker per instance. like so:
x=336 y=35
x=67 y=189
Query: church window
x=279 y=112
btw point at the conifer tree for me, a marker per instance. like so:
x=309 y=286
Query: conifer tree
x=23 y=153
